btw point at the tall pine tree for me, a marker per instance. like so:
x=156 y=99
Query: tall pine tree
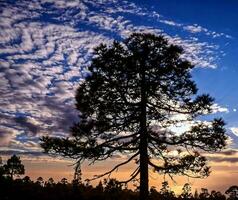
x=136 y=93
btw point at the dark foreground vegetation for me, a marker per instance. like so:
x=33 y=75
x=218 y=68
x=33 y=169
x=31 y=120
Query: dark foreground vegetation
x=25 y=188
x=12 y=187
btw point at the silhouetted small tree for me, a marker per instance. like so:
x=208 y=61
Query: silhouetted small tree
x=40 y=181
x=154 y=194
x=112 y=188
x=134 y=95
x=50 y=182
x=100 y=187
x=165 y=191
x=216 y=195
x=14 y=167
x=64 y=181
x=186 y=191
x=196 y=195
x=27 y=180
x=232 y=192
x=204 y=193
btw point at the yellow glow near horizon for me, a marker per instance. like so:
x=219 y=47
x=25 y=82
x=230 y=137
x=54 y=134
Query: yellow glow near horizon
x=223 y=174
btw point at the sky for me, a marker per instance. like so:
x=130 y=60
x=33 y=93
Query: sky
x=45 y=46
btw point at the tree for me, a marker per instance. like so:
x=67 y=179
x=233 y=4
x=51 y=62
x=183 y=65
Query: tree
x=26 y=180
x=196 y=196
x=216 y=195
x=136 y=93
x=166 y=191
x=112 y=185
x=99 y=187
x=204 y=193
x=14 y=167
x=232 y=192
x=50 y=182
x=186 y=191
x=154 y=194
x=64 y=181
x=40 y=181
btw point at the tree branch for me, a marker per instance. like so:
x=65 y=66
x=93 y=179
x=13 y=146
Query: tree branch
x=133 y=176
x=114 y=168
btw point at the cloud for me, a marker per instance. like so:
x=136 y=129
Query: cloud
x=44 y=50
x=228 y=152
x=195 y=28
x=228 y=156
x=234 y=131
x=217 y=108
x=198 y=53
x=171 y=23
x=6 y=135
x=224 y=159
x=28 y=124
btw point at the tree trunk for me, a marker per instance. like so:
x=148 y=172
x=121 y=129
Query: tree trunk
x=144 y=181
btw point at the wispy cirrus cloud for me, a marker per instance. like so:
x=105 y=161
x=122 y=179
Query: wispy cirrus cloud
x=227 y=156
x=195 y=28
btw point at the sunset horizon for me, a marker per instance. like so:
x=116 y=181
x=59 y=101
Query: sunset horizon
x=46 y=50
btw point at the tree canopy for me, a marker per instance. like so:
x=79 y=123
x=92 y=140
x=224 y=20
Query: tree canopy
x=14 y=167
x=136 y=94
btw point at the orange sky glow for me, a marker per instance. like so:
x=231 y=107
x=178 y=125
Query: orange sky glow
x=224 y=174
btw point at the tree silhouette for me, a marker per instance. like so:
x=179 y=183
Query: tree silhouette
x=26 y=179
x=166 y=191
x=204 y=193
x=50 y=182
x=40 y=181
x=64 y=181
x=186 y=191
x=112 y=188
x=216 y=195
x=196 y=196
x=99 y=187
x=135 y=94
x=14 y=167
x=232 y=192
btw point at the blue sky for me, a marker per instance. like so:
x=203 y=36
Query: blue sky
x=45 y=46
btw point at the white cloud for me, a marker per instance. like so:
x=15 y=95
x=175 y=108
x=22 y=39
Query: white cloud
x=217 y=108
x=234 y=130
x=195 y=28
x=171 y=23
x=7 y=134
x=39 y=57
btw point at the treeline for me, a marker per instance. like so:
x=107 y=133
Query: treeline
x=110 y=189
x=12 y=187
